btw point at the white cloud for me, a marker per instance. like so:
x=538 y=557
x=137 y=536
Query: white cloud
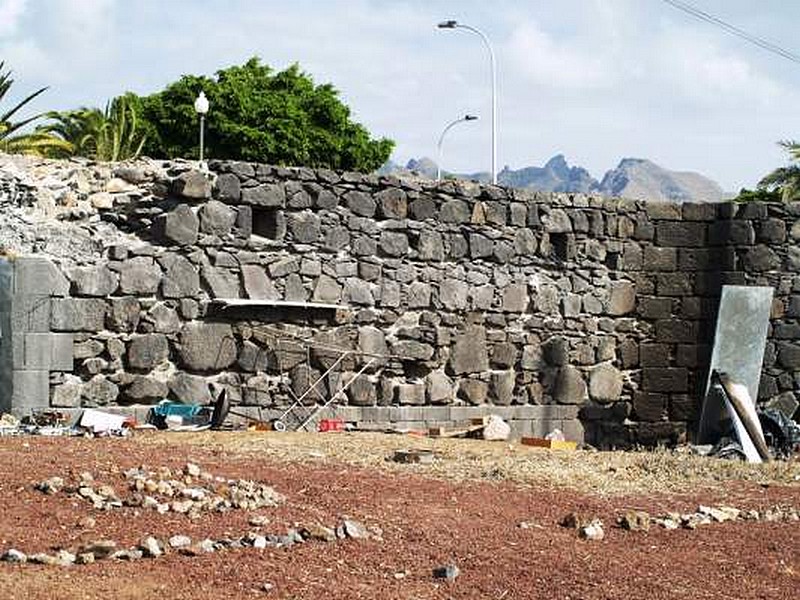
x=547 y=61
x=11 y=12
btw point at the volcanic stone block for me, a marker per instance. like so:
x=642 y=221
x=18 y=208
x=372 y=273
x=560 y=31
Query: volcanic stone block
x=217 y=218
x=430 y=245
x=78 y=314
x=363 y=392
x=207 y=346
x=68 y=393
x=181 y=279
x=682 y=234
x=677 y=331
x=99 y=391
x=123 y=314
x=699 y=211
x=194 y=185
x=38 y=276
x=305 y=227
x=93 y=281
x=327 y=290
x=358 y=291
x=473 y=391
x=145 y=390
x=221 y=283
x=504 y=355
x=675 y=284
x=253 y=358
x=525 y=243
x=392 y=203
x=30 y=313
x=515 y=298
x=360 y=203
x=422 y=209
x=654 y=308
x=180 y=226
x=683 y=407
x=227 y=187
x=139 y=276
x=469 y=353
x=761 y=258
x=30 y=389
x=789 y=355
x=453 y=294
x=190 y=389
x=372 y=342
x=660 y=259
x=605 y=383
x=164 y=318
x=455 y=211
x=294 y=290
x=622 y=299
x=663 y=211
x=257 y=285
x=502 y=387
x=410 y=393
x=145 y=352
x=393 y=243
x=736 y=233
x=418 y=295
x=412 y=350
x=337 y=238
x=654 y=355
x=569 y=386
x=555 y=351
x=439 y=388
x=557 y=221
x=267 y=195
x=659 y=379
x=480 y=246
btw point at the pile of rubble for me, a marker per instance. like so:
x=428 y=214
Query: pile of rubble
x=152 y=547
x=190 y=491
x=591 y=528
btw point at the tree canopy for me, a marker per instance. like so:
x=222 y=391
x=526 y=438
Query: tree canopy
x=782 y=184
x=261 y=116
x=11 y=138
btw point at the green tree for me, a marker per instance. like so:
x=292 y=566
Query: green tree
x=785 y=181
x=260 y=116
x=112 y=134
x=11 y=139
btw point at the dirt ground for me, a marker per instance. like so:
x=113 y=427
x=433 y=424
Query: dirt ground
x=491 y=509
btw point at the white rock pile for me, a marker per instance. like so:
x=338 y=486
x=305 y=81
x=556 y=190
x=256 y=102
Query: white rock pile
x=189 y=491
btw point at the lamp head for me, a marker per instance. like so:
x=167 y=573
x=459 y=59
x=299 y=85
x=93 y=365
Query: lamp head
x=470 y=117
x=451 y=24
x=201 y=104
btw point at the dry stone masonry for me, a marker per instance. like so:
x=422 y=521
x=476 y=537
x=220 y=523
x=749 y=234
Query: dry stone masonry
x=551 y=310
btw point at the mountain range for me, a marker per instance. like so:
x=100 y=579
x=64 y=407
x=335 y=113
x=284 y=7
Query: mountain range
x=634 y=178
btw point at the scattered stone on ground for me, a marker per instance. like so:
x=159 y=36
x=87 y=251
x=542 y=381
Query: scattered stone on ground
x=449 y=572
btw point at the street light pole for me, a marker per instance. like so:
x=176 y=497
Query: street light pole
x=201 y=108
x=492 y=63
x=441 y=139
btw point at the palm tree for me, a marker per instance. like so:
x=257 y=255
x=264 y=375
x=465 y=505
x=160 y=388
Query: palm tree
x=37 y=142
x=109 y=135
x=785 y=180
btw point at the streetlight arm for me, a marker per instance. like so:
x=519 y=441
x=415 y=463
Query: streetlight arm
x=493 y=66
x=441 y=139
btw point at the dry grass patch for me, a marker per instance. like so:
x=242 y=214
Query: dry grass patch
x=600 y=473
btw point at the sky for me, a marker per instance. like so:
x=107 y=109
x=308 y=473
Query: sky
x=595 y=80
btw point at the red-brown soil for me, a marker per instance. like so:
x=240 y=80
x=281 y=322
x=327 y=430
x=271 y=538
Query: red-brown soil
x=426 y=523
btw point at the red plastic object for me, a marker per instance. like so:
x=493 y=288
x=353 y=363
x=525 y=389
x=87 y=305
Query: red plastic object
x=331 y=425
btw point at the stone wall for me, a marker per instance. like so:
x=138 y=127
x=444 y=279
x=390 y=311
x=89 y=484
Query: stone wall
x=593 y=315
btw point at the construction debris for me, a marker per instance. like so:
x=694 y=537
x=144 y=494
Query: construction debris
x=423 y=457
